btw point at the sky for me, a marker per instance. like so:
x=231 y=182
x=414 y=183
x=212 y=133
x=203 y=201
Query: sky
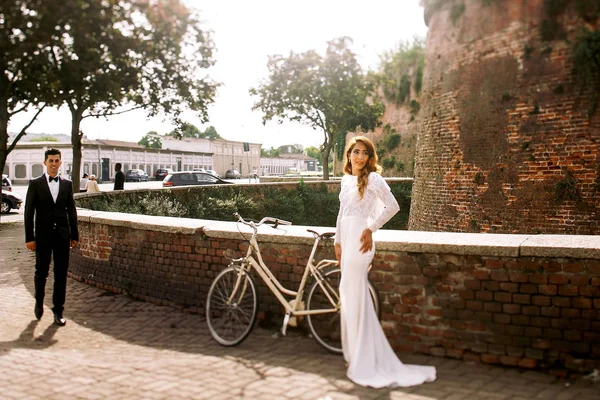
x=245 y=34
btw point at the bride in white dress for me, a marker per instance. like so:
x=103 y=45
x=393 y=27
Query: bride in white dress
x=366 y=204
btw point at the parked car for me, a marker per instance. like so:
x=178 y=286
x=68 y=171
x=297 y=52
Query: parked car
x=186 y=178
x=232 y=174
x=136 y=175
x=213 y=172
x=10 y=201
x=6 y=183
x=161 y=173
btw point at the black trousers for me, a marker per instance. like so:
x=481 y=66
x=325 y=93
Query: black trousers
x=58 y=248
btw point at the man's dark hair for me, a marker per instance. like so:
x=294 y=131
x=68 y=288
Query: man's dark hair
x=118 y=166
x=52 y=152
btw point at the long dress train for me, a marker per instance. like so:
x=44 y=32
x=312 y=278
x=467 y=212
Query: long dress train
x=371 y=360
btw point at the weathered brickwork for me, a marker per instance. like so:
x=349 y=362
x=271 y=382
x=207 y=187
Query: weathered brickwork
x=174 y=268
x=506 y=142
x=531 y=312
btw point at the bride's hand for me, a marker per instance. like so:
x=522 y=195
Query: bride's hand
x=366 y=241
x=338 y=252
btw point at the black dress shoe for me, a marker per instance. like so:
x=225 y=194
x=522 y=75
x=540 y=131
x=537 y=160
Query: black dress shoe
x=59 y=320
x=38 y=311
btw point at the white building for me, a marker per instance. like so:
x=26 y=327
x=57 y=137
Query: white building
x=226 y=154
x=286 y=162
x=100 y=156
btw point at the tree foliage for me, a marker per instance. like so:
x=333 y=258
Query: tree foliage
x=312 y=151
x=191 y=131
x=151 y=141
x=44 y=138
x=149 y=54
x=329 y=93
x=272 y=152
x=401 y=71
x=26 y=81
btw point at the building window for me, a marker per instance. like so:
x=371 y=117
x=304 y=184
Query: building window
x=37 y=169
x=95 y=169
x=20 y=171
x=5 y=172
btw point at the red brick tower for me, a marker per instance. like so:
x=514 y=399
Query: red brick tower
x=509 y=137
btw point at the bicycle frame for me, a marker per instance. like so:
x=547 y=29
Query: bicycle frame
x=250 y=261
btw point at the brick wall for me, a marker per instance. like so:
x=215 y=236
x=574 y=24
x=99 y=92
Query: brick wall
x=506 y=142
x=515 y=300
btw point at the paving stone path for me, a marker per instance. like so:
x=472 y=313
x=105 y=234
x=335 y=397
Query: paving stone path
x=114 y=347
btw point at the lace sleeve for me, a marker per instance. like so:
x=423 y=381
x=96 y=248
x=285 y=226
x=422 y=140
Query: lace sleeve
x=338 y=231
x=390 y=206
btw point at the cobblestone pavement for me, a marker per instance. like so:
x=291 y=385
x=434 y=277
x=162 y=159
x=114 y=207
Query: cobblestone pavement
x=119 y=348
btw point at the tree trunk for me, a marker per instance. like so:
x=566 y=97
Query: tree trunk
x=3 y=138
x=76 y=137
x=325 y=158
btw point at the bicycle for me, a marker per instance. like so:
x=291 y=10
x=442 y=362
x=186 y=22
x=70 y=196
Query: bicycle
x=232 y=302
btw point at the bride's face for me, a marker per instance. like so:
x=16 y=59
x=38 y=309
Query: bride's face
x=359 y=156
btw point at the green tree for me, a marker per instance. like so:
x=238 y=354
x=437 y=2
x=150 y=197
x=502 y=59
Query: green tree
x=328 y=93
x=401 y=71
x=44 y=138
x=151 y=142
x=312 y=151
x=211 y=133
x=191 y=131
x=24 y=64
x=273 y=152
x=186 y=130
x=140 y=54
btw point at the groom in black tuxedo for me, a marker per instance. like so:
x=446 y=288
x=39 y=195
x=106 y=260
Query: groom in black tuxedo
x=54 y=234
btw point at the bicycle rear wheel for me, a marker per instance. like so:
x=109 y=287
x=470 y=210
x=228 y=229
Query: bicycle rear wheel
x=326 y=328
x=230 y=322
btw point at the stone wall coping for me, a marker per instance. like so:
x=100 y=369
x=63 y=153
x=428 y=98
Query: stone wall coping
x=482 y=244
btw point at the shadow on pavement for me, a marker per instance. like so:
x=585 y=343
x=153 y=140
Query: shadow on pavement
x=161 y=327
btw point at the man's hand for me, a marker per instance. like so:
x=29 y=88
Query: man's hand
x=366 y=241
x=30 y=245
x=338 y=252
x=73 y=244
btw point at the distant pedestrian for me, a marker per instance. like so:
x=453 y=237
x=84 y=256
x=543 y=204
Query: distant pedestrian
x=53 y=234
x=119 y=178
x=83 y=182
x=92 y=185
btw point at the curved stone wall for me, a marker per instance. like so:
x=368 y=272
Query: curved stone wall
x=517 y=300
x=508 y=141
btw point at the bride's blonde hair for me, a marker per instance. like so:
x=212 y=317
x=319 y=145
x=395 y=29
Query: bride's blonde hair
x=370 y=166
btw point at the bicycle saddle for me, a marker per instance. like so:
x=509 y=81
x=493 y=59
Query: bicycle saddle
x=326 y=235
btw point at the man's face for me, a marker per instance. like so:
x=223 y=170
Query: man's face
x=52 y=164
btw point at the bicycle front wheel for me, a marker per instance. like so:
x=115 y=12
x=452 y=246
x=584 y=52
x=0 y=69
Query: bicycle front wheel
x=231 y=306
x=326 y=328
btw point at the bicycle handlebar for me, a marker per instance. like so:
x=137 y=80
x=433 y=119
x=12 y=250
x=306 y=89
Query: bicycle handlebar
x=266 y=220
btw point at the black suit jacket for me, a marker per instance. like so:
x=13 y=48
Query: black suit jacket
x=119 y=181
x=50 y=217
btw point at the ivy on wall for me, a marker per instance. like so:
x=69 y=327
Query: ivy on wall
x=401 y=71
x=586 y=61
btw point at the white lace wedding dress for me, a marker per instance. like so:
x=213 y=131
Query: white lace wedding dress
x=371 y=360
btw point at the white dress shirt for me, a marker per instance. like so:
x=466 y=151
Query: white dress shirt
x=54 y=186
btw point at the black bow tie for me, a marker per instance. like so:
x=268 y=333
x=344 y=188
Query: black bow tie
x=53 y=179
